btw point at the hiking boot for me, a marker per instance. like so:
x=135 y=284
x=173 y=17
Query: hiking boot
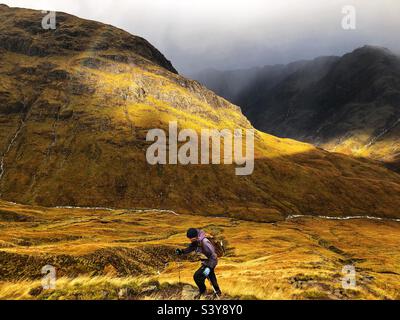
x=198 y=296
x=217 y=294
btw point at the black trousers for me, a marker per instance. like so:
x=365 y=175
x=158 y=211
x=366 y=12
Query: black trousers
x=200 y=280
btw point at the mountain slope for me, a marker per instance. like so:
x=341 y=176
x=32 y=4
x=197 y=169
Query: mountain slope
x=348 y=104
x=76 y=104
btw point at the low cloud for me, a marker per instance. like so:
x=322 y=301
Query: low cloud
x=231 y=34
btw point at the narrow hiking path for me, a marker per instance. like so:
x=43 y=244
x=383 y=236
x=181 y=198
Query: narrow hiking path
x=115 y=209
x=366 y=217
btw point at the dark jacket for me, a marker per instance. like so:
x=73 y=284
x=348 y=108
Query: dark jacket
x=204 y=246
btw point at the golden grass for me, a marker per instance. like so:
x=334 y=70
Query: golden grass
x=295 y=259
x=82 y=287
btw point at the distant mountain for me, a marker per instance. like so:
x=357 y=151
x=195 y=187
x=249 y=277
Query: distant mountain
x=77 y=102
x=348 y=104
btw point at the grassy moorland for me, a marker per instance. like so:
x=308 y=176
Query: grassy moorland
x=120 y=254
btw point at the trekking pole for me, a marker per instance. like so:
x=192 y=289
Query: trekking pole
x=215 y=291
x=179 y=272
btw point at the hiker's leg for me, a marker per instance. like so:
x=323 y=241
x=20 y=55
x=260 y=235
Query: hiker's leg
x=214 y=282
x=200 y=280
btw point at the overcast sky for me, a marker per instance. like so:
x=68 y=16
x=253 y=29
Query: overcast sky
x=231 y=34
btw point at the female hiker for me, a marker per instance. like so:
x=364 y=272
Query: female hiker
x=201 y=244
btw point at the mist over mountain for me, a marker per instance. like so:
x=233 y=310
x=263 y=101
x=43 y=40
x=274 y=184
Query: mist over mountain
x=348 y=104
x=238 y=34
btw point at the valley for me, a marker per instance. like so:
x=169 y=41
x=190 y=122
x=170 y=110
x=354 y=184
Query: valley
x=121 y=254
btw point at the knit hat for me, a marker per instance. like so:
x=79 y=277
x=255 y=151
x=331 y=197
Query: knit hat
x=192 y=233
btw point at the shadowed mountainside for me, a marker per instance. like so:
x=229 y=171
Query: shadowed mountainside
x=347 y=104
x=76 y=104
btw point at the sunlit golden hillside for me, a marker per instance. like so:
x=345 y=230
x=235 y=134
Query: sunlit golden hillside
x=76 y=104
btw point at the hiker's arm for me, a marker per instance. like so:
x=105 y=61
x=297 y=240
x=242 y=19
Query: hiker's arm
x=187 y=250
x=190 y=248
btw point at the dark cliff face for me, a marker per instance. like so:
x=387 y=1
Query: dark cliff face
x=349 y=104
